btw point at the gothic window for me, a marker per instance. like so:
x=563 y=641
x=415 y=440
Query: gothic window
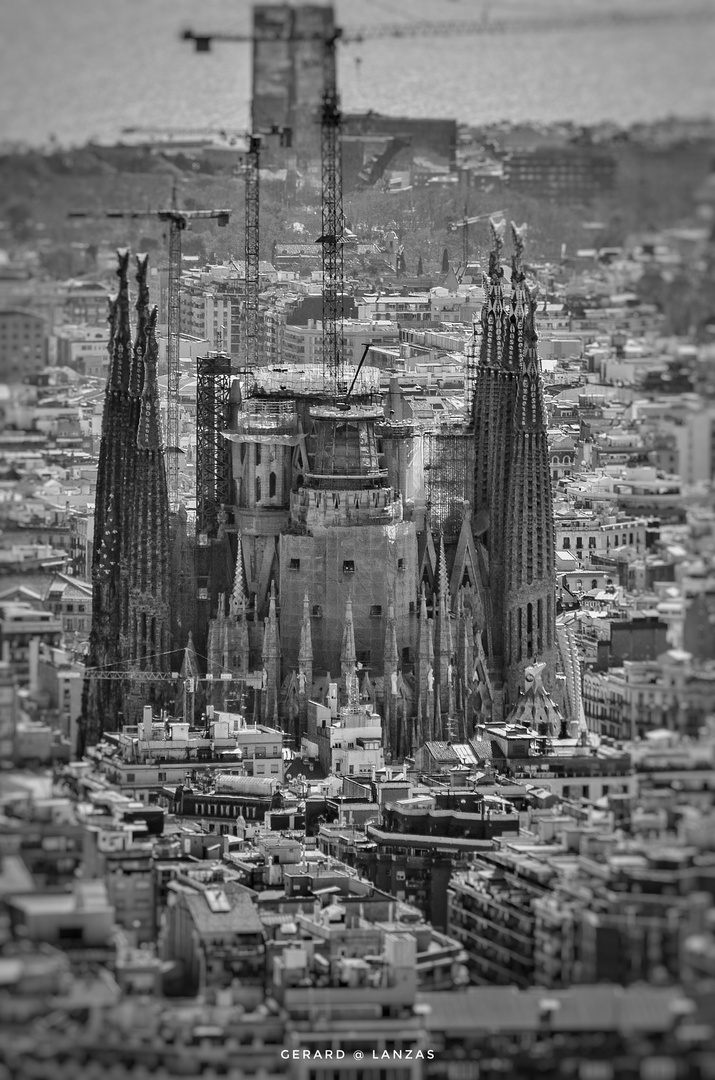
x=243 y=452
x=258 y=489
x=272 y=485
x=539 y=625
x=519 y=632
x=258 y=453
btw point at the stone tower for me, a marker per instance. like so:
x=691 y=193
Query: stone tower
x=512 y=486
x=148 y=628
x=530 y=578
x=102 y=700
x=130 y=572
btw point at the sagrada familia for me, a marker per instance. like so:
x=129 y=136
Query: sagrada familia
x=315 y=568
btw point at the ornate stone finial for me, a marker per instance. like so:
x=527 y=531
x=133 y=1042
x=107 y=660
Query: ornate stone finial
x=466 y=510
x=119 y=364
x=136 y=377
x=498 y=228
x=518 y=236
x=530 y=335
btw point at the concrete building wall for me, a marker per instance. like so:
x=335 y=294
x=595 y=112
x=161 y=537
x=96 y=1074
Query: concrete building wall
x=384 y=561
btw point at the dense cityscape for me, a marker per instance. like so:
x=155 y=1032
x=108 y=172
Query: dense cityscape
x=357 y=591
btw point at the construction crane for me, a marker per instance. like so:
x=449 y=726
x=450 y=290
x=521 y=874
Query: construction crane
x=252 y=239
x=331 y=238
x=178 y=221
x=464 y=226
x=487 y=24
x=332 y=221
x=190 y=683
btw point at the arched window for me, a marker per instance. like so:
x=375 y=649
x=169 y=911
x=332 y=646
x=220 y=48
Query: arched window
x=272 y=485
x=258 y=489
x=258 y=453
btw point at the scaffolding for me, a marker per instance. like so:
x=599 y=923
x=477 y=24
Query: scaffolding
x=472 y=351
x=213 y=452
x=309 y=379
x=448 y=455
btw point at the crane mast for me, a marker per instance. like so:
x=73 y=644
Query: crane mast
x=332 y=222
x=251 y=252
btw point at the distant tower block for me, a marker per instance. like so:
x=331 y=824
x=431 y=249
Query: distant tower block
x=289 y=76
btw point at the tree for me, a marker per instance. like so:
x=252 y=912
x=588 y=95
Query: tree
x=445 y=261
x=420 y=268
x=19 y=218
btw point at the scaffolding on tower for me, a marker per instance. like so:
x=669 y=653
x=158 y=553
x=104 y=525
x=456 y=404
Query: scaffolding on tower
x=447 y=476
x=213 y=452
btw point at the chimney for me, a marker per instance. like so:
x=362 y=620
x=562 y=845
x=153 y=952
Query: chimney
x=147 y=720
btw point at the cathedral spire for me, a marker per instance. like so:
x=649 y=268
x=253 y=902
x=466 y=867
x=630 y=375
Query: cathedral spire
x=305 y=667
x=149 y=431
x=529 y=564
x=424 y=673
x=390 y=666
x=136 y=369
x=237 y=601
x=120 y=358
x=191 y=690
x=148 y=639
x=271 y=655
x=348 y=656
x=443 y=647
x=518 y=304
x=530 y=412
x=102 y=702
x=305 y=650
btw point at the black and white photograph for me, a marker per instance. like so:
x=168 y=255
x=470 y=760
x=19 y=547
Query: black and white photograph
x=357 y=540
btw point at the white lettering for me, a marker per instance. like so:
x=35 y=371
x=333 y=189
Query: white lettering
x=285 y=1054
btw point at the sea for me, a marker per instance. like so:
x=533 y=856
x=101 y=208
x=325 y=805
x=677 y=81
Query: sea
x=77 y=70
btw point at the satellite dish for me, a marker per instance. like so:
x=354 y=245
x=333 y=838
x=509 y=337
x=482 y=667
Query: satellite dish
x=481 y=522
